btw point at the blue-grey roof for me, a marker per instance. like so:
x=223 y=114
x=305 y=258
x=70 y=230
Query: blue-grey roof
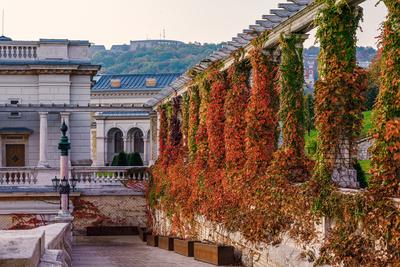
x=5 y=39
x=134 y=81
x=21 y=130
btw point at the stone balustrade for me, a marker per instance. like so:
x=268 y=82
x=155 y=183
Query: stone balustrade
x=49 y=245
x=18 y=52
x=15 y=176
x=109 y=175
x=86 y=175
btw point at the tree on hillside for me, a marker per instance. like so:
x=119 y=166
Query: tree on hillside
x=374 y=71
x=158 y=59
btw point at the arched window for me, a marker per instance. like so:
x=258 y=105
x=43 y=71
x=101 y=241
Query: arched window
x=135 y=137
x=138 y=139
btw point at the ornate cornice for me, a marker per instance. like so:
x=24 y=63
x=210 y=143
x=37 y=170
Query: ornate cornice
x=121 y=93
x=26 y=69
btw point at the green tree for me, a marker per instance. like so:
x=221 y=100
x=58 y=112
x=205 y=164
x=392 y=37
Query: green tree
x=120 y=160
x=134 y=159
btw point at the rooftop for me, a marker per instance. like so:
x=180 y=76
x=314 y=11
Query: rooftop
x=111 y=82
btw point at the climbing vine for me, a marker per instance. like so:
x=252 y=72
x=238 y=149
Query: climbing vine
x=216 y=119
x=261 y=115
x=194 y=104
x=291 y=111
x=386 y=150
x=236 y=175
x=163 y=133
x=338 y=91
x=235 y=108
x=185 y=121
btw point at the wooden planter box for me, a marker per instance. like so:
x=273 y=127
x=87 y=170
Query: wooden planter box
x=184 y=247
x=143 y=233
x=166 y=242
x=152 y=240
x=111 y=230
x=214 y=254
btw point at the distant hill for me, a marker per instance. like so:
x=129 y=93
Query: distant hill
x=177 y=57
x=157 y=59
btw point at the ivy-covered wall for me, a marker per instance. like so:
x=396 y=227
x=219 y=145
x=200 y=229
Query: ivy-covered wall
x=233 y=173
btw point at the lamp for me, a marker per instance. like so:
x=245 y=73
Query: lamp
x=73 y=182
x=64 y=182
x=56 y=183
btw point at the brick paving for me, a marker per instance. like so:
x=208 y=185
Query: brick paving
x=125 y=251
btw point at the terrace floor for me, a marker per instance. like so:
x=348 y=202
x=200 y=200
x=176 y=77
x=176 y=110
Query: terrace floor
x=125 y=251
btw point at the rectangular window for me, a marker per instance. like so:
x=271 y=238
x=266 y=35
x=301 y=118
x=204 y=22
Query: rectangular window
x=15 y=114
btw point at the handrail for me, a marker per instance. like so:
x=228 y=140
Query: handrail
x=94 y=174
x=18 y=175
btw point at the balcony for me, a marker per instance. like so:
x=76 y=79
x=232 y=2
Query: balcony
x=34 y=177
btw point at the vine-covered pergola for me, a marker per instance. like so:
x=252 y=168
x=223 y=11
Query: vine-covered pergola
x=219 y=129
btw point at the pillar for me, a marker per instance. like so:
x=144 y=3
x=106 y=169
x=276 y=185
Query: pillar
x=1 y=152
x=153 y=138
x=145 y=150
x=156 y=143
x=43 y=141
x=101 y=143
x=126 y=144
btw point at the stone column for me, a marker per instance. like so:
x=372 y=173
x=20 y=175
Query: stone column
x=126 y=144
x=145 y=161
x=43 y=141
x=101 y=144
x=1 y=152
x=158 y=136
x=344 y=174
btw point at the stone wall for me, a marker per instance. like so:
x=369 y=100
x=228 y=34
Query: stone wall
x=251 y=254
x=363 y=148
x=44 y=246
x=108 y=211
x=100 y=209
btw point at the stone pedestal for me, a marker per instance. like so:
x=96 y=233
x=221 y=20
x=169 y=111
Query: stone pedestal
x=63 y=217
x=345 y=177
x=344 y=174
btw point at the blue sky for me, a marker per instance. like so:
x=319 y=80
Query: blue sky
x=118 y=21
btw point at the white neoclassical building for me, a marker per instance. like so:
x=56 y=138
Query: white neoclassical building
x=45 y=82
x=53 y=73
x=129 y=131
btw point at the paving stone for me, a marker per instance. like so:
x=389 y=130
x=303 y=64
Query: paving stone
x=125 y=251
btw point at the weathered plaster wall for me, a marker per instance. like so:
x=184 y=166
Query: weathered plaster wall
x=108 y=211
x=88 y=210
x=252 y=254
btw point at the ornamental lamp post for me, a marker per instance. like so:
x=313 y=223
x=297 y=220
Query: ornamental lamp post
x=63 y=186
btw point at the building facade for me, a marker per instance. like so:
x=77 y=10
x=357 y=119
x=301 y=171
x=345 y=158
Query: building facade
x=44 y=72
x=129 y=131
x=135 y=45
